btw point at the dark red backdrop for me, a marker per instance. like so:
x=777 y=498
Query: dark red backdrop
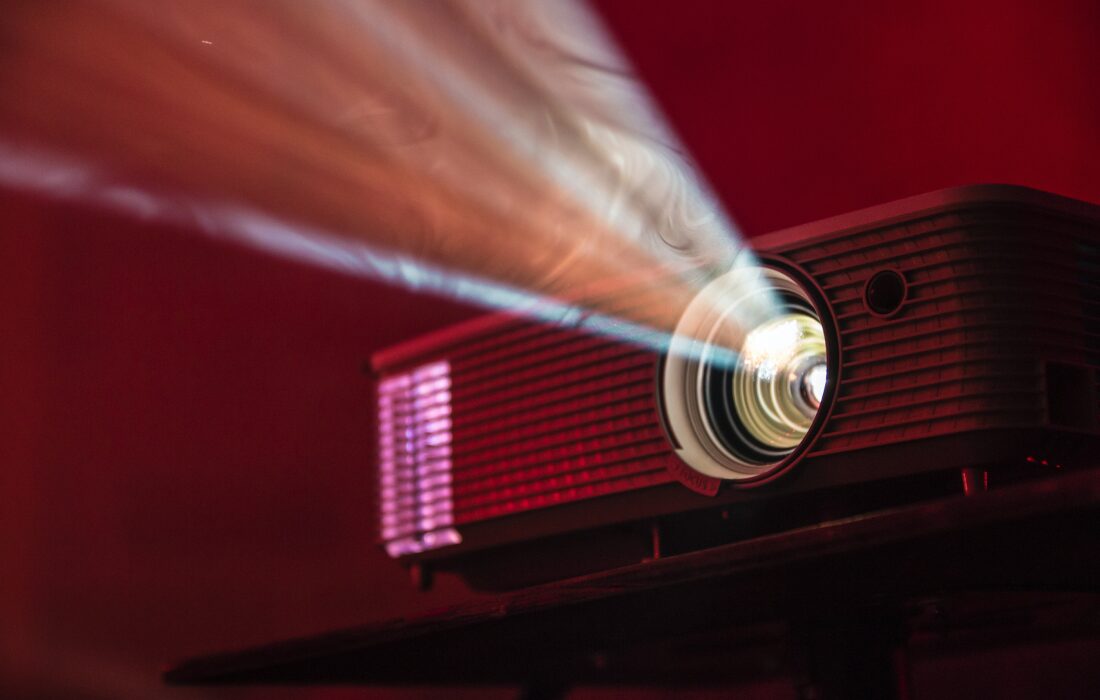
x=186 y=435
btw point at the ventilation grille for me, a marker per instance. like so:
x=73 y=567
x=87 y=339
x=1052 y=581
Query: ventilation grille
x=515 y=418
x=990 y=291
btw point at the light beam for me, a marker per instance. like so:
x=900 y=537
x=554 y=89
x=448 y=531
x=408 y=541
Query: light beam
x=502 y=153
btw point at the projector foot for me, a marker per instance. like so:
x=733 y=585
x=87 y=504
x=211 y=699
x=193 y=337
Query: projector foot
x=422 y=577
x=974 y=481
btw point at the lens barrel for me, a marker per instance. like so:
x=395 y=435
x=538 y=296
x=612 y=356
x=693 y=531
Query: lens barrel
x=747 y=374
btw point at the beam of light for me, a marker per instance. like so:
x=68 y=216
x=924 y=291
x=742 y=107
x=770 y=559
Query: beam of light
x=498 y=152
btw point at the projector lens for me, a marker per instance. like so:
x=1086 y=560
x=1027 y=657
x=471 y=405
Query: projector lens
x=747 y=375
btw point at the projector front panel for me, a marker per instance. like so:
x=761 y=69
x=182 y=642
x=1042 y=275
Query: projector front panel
x=995 y=294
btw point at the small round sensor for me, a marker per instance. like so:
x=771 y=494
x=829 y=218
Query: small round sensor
x=885 y=292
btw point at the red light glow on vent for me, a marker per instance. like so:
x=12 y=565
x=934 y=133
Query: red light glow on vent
x=414 y=460
x=515 y=418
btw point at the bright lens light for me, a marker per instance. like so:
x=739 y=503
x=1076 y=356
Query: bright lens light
x=767 y=385
x=813 y=383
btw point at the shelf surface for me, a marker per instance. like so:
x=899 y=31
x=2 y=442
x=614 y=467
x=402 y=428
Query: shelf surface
x=1002 y=567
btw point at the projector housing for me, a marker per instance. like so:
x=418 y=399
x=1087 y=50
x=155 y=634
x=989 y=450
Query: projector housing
x=964 y=333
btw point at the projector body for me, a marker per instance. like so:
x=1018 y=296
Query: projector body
x=964 y=332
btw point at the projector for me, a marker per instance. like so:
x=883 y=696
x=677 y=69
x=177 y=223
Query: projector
x=954 y=333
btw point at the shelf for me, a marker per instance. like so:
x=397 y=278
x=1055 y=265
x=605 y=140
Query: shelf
x=995 y=568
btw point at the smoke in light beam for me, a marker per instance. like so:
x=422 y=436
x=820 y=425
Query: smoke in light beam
x=499 y=152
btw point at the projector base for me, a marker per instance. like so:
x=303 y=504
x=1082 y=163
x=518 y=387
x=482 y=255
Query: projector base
x=831 y=607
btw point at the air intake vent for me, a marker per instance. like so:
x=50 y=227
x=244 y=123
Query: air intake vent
x=520 y=416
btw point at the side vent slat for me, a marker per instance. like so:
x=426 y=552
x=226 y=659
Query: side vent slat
x=535 y=418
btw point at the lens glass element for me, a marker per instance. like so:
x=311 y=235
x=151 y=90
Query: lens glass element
x=778 y=360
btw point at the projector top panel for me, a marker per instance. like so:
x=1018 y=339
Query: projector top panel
x=883 y=215
x=929 y=203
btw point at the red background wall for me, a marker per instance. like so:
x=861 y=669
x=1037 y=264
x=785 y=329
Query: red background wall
x=186 y=434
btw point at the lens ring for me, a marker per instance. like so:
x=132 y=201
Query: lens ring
x=744 y=414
